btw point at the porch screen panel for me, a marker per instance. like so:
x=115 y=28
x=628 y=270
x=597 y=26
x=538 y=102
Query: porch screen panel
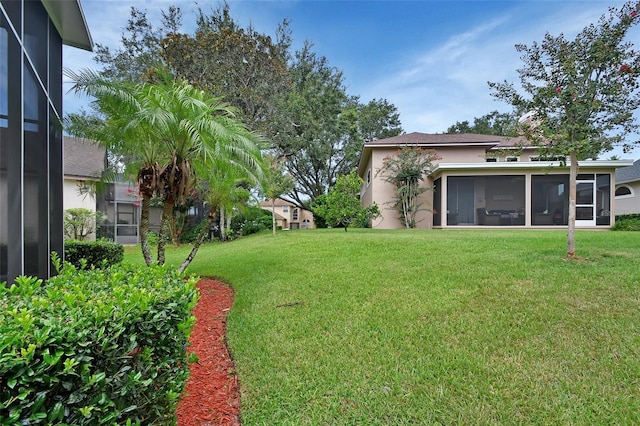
x=36 y=176
x=460 y=200
x=549 y=199
x=603 y=199
x=437 y=204
x=4 y=144
x=505 y=196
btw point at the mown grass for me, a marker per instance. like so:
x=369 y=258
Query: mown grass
x=403 y=327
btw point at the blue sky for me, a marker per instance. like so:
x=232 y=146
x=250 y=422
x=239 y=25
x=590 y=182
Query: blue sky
x=431 y=59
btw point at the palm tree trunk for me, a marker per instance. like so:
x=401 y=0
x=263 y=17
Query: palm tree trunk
x=145 y=208
x=223 y=231
x=196 y=245
x=167 y=212
x=571 y=231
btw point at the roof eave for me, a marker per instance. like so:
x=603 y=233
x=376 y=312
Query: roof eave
x=595 y=164
x=69 y=20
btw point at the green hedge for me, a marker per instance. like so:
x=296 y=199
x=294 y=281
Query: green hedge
x=95 y=347
x=96 y=253
x=627 y=222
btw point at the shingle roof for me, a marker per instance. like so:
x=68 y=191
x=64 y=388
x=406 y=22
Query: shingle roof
x=436 y=139
x=628 y=174
x=83 y=158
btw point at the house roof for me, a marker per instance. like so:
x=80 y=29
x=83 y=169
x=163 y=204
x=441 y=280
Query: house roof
x=83 y=158
x=68 y=18
x=279 y=202
x=447 y=139
x=628 y=174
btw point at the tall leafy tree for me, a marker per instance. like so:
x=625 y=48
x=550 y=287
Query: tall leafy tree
x=494 y=123
x=181 y=126
x=323 y=128
x=141 y=45
x=246 y=67
x=582 y=93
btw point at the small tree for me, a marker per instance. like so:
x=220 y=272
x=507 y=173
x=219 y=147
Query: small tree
x=342 y=205
x=80 y=223
x=276 y=182
x=581 y=93
x=406 y=170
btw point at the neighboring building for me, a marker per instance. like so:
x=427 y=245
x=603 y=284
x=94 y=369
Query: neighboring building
x=121 y=204
x=628 y=189
x=84 y=162
x=484 y=180
x=31 y=202
x=288 y=215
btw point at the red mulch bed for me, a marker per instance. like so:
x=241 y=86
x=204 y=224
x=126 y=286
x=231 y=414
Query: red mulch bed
x=212 y=396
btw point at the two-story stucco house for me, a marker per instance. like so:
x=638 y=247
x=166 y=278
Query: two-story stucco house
x=485 y=180
x=288 y=215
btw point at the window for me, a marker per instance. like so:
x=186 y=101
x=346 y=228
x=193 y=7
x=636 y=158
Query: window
x=559 y=158
x=285 y=209
x=491 y=160
x=624 y=191
x=368 y=176
x=295 y=214
x=511 y=159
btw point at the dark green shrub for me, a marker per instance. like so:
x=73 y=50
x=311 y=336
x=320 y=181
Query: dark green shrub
x=628 y=222
x=253 y=220
x=190 y=233
x=95 y=347
x=96 y=253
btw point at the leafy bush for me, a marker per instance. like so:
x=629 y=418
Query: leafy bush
x=190 y=233
x=80 y=223
x=95 y=347
x=253 y=220
x=628 y=222
x=96 y=253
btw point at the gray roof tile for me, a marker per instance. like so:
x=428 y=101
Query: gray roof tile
x=83 y=158
x=628 y=174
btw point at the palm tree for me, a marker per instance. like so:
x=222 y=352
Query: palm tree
x=225 y=186
x=176 y=127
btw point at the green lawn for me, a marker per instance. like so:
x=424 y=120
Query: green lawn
x=447 y=327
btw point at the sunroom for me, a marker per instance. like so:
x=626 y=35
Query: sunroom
x=521 y=194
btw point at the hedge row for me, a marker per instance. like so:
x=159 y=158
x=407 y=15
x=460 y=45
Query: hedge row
x=97 y=254
x=627 y=222
x=95 y=347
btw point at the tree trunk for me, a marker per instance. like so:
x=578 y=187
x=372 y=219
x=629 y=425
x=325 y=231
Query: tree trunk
x=273 y=215
x=145 y=209
x=571 y=231
x=167 y=212
x=223 y=231
x=196 y=245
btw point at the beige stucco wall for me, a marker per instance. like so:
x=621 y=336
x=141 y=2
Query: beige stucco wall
x=382 y=193
x=72 y=199
x=629 y=204
x=456 y=155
